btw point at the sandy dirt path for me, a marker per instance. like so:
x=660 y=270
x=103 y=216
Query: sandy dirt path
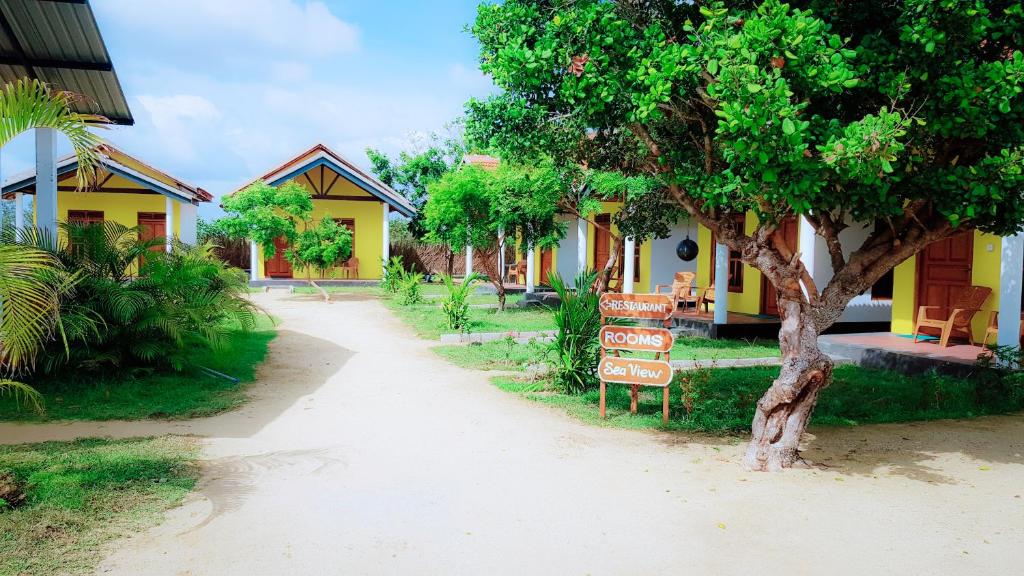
x=364 y=453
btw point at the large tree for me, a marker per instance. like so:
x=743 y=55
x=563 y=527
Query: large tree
x=474 y=206
x=907 y=117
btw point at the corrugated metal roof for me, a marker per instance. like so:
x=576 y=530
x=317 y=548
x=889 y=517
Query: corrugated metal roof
x=59 y=43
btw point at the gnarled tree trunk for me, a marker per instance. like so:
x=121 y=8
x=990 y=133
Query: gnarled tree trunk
x=783 y=412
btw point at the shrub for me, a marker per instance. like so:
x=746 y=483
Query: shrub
x=321 y=247
x=577 y=349
x=456 y=303
x=393 y=272
x=130 y=306
x=409 y=288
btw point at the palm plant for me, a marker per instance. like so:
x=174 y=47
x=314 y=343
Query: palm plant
x=28 y=306
x=576 y=347
x=26 y=104
x=456 y=303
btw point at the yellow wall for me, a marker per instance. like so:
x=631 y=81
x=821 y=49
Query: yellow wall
x=368 y=215
x=746 y=302
x=645 y=248
x=122 y=208
x=984 y=272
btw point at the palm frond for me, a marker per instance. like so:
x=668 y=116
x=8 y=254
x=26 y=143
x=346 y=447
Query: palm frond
x=28 y=103
x=28 y=303
x=22 y=393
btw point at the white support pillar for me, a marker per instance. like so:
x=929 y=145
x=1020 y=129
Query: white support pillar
x=529 y=270
x=168 y=224
x=188 y=229
x=469 y=259
x=721 y=284
x=628 y=266
x=19 y=212
x=807 y=242
x=46 y=181
x=581 y=245
x=501 y=252
x=1011 y=270
x=254 y=261
x=385 y=246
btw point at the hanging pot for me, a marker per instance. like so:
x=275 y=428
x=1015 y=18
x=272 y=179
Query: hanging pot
x=687 y=250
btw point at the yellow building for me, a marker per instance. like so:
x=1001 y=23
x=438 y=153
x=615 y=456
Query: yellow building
x=127 y=191
x=347 y=194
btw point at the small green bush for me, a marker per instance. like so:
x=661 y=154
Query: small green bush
x=393 y=272
x=409 y=291
x=456 y=303
x=576 y=348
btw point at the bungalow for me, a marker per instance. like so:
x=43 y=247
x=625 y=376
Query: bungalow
x=933 y=278
x=126 y=190
x=346 y=193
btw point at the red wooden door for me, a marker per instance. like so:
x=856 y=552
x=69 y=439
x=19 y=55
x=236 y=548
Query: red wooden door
x=602 y=241
x=153 y=225
x=770 y=296
x=943 y=271
x=278 y=266
x=545 y=265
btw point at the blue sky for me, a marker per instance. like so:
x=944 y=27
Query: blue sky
x=223 y=90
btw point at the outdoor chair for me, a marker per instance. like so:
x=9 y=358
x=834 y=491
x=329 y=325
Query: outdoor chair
x=681 y=290
x=965 y=307
x=706 y=297
x=517 y=272
x=351 y=268
x=992 y=331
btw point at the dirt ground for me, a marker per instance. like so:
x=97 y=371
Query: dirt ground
x=364 y=453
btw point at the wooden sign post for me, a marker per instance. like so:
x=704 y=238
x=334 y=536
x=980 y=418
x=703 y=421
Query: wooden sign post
x=636 y=372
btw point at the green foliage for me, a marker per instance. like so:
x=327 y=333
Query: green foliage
x=132 y=306
x=853 y=110
x=456 y=303
x=322 y=247
x=84 y=494
x=409 y=291
x=413 y=171
x=263 y=213
x=459 y=209
x=723 y=399
x=146 y=392
x=576 y=349
x=392 y=276
x=27 y=104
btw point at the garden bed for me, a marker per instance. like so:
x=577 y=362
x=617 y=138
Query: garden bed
x=81 y=495
x=154 y=393
x=723 y=400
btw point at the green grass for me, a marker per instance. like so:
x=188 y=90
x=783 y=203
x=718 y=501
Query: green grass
x=153 y=394
x=429 y=322
x=83 y=494
x=495 y=355
x=724 y=399
x=505 y=355
x=694 y=348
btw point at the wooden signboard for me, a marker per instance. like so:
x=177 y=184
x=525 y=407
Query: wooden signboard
x=636 y=339
x=636 y=371
x=646 y=306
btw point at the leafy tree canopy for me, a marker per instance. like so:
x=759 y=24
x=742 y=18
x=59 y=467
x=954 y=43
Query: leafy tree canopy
x=412 y=171
x=324 y=246
x=262 y=212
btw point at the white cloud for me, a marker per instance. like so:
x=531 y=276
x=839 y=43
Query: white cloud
x=173 y=117
x=237 y=29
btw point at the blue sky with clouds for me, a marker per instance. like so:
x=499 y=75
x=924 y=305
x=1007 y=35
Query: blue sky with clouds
x=223 y=90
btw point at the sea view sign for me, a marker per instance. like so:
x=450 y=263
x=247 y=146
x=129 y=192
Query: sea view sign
x=635 y=372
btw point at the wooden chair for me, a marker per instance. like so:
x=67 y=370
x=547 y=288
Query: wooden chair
x=351 y=268
x=992 y=330
x=707 y=296
x=681 y=290
x=517 y=271
x=965 y=307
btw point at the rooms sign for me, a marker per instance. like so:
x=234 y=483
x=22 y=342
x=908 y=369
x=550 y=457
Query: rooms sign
x=635 y=372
